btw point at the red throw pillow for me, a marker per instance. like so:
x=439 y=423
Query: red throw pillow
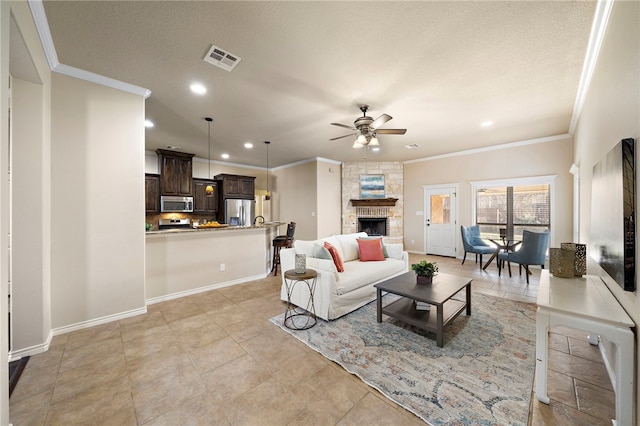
x=370 y=250
x=337 y=260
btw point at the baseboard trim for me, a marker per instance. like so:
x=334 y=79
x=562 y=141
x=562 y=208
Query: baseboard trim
x=43 y=347
x=31 y=350
x=99 y=321
x=172 y=296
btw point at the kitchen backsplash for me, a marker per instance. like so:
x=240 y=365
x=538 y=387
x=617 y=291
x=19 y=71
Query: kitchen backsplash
x=153 y=218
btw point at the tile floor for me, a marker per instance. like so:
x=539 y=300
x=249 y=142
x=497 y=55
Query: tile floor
x=213 y=358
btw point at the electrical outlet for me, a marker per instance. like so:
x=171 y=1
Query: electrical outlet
x=413 y=241
x=221 y=267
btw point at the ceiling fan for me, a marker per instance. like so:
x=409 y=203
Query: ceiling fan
x=367 y=128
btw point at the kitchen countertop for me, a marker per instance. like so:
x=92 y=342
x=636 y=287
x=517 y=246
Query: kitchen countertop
x=266 y=225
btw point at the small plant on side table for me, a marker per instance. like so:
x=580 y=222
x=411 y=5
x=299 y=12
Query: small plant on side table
x=425 y=271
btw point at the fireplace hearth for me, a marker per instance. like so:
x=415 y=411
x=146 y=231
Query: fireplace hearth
x=375 y=226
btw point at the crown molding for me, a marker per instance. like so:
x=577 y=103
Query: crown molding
x=598 y=30
x=42 y=26
x=492 y=148
x=307 y=160
x=44 y=32
x=328 y=160
x=102 y=80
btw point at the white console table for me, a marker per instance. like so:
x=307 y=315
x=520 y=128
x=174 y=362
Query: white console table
x=587 y=304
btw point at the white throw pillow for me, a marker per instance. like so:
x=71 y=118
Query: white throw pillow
x=349 y=245
x=394 y=250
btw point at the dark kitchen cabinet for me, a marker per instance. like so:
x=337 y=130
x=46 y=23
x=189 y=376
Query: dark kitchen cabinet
x=152 y=193
x=203 y=203
x=176 y=170
x=235 y=186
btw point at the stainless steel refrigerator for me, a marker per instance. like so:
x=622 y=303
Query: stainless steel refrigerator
x=239 y=212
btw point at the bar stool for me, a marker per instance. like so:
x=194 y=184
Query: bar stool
x=279 y=242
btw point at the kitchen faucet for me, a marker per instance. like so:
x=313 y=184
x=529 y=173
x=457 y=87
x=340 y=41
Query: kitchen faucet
x=256 y=219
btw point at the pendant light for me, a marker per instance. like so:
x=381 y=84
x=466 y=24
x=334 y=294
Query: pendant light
x=268 y=195
x=209 y=188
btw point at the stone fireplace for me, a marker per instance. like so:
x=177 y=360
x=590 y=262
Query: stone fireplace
x=356 y=210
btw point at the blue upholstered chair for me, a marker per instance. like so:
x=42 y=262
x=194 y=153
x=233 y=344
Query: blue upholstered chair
x=532 y=252
x=473 y=243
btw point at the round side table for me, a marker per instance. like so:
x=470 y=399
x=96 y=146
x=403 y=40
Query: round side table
x=300 y=318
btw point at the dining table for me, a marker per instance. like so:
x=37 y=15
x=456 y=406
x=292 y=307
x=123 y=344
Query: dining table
x=505 y=244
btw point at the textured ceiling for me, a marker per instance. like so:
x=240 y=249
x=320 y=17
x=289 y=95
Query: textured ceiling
x=439 y=68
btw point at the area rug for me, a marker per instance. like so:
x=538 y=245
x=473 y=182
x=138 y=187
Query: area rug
x=482 y=376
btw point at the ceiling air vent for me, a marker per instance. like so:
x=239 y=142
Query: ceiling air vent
x=221 y=58
x=412 y=146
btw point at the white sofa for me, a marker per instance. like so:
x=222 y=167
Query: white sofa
x=338 y=293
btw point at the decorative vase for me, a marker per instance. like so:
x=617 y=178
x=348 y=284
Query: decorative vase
x=561 y=262
x=301 y=263
x=580 y=257
x=423 y=280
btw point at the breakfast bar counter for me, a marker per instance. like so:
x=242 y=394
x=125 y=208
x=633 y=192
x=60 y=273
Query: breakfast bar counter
x=179 y=262
x=204 y=228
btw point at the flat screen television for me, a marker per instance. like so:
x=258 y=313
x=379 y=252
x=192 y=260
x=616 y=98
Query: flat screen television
x=613 y=204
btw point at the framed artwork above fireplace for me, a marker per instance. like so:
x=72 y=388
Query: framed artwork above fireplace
x=371 y=186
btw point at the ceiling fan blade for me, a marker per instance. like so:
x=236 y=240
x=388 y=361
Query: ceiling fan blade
x=391 y=131
x=340 y=137
x=344 y=125
x=380 y=121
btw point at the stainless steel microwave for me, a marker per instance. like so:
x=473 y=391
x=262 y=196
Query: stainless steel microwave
x=176 y=204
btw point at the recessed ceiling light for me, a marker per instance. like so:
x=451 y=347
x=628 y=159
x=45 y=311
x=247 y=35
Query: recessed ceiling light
x=148 y=123
x=225 y=156
x=248 y=145
x=487 y=123
x=411 y=146
x=198 y=89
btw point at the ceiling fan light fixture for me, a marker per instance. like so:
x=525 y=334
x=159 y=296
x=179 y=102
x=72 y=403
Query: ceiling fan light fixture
x=367 y=128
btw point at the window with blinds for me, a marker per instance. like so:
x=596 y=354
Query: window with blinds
x=508 y=210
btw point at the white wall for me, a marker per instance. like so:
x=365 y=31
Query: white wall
x=329 y=198
x=4 y=209
x=31 y=226
x=612 y=112
x=525 y=160
x=189 y=262
x=25 y=59
x=97 y=187
x=295 y=198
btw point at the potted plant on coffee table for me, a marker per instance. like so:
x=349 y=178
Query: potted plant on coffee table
x=425 y=271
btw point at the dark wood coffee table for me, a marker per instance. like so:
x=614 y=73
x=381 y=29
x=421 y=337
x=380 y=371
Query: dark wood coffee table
x=439 y=295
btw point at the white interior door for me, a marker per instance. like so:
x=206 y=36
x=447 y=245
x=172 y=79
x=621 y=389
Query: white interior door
x=440 y=221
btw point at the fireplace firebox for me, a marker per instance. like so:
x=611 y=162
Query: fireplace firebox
x=376 y=226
